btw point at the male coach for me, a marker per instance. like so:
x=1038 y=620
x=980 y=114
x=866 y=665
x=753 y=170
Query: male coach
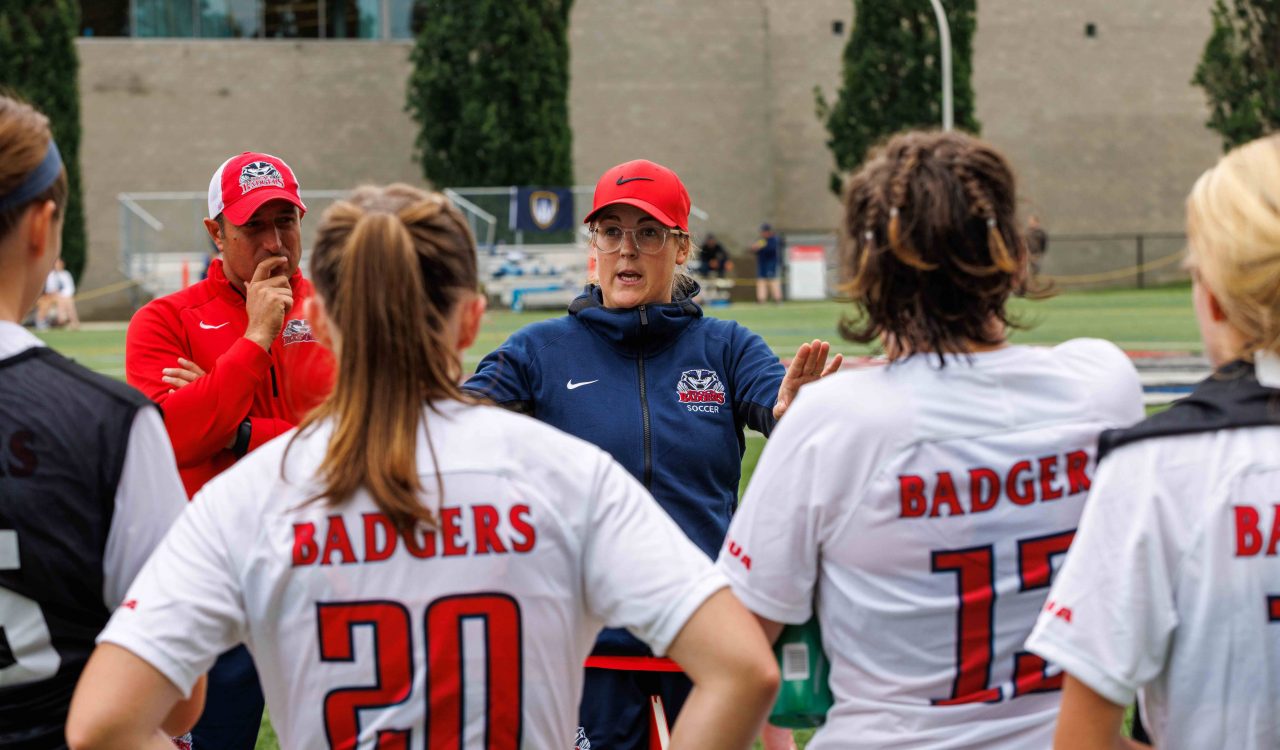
x=232 y=363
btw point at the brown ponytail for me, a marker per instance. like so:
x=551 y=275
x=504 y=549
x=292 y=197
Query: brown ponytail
x=391 y=264
x=24 y=140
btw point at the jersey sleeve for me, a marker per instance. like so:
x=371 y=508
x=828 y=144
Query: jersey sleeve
x=149 y=498
x=1117 y=390
x=757 y=375
x=770 y=554
x=185 y=607
x=640 y=571
x=200 y=417
x=1110 y=615
x=503 y=376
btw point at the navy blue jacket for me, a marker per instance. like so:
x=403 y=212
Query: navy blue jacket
x=666 y=391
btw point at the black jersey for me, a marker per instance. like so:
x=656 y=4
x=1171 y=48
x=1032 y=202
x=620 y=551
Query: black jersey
x=64 y=434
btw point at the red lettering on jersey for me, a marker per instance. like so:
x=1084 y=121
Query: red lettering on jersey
x=519 y=517
x=945 y=493
x=1077 y=479
x=487 y=518
x=374 y=552
x=1248 y=535
x=452 y=543
x=24 y=464
x=1012 y=485
x=130 y=604
x=305 y=549
x=984 y=489
x=736 y=552
x=337 y=540
x=1048 y=473
x=1275 y=531
x=911 y=489
x=424 y=549
x=1062 y=613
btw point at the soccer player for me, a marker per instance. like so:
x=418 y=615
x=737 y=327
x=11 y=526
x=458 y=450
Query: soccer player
x=920 y=507
x=1172 y=589
x=411 y=568
x=88 y=484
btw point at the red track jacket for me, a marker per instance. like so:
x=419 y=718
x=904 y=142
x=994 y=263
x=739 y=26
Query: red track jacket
x=205 y=323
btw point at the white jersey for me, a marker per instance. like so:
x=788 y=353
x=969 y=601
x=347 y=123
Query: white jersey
x=478 y=630
x=1173 y=588
x=925 y=509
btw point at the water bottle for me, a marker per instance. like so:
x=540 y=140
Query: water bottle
x=805 y=696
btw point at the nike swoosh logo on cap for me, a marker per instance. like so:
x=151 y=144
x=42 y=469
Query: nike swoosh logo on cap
x=208 y=327
x=572 y=385
x=625 y=180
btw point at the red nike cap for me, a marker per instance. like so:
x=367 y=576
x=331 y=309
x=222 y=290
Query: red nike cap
x=650 y=187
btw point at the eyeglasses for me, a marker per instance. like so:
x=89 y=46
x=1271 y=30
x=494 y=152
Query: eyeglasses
x=648 y=239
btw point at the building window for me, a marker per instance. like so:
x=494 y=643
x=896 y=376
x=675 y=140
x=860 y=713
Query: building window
x=105 y=18
x=254 y=19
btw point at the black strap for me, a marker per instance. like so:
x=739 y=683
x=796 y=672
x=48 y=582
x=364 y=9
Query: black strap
x=243 y=433
x=1230 y=398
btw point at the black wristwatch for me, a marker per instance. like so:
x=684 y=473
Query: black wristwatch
x=243 y=433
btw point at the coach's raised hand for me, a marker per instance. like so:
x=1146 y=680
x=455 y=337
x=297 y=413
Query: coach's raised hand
x=809 y=364
x=267 y=298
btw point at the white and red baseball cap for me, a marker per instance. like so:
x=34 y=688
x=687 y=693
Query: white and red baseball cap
x=650 y=187
x=243 y=183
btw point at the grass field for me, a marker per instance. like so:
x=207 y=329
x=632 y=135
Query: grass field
x=1154 y=319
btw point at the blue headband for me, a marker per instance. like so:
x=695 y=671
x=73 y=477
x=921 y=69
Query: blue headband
x=37 y=182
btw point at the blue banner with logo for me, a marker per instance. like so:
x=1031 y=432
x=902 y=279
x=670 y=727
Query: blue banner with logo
x=539 y=209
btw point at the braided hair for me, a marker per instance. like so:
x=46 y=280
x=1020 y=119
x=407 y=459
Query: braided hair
x=390 y=264
x=931 y=250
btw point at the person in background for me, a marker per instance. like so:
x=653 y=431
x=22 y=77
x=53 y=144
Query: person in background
x=767 y=250
x=1170 y=590
x=58 y=304
x=919 y=507
x=637 y=369
x=88 y=484
x=1037 y=243
x=713 y=258
x=408 y=546
x=232 y=362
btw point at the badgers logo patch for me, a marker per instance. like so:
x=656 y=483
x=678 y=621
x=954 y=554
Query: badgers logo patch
x=700 y=390
x=297 y=331
x=259 y=174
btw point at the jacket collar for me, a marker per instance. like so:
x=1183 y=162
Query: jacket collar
x=223 y=287
x=644 y=328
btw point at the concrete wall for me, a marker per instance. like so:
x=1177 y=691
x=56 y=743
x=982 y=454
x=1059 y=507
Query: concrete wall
x=1106 y=133
x=161 y=115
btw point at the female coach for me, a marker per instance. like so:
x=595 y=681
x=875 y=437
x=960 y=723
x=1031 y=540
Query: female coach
x=920 y=507
x=406 y=546
x=1172 y=589
x=637 y=369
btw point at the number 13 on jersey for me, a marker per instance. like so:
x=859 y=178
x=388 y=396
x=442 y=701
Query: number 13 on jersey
x=448 y=654
x=974 y=569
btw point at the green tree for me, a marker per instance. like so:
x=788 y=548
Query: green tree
x=489 y=90
x=892 y=77
x=1240 y=70
x=38 y=62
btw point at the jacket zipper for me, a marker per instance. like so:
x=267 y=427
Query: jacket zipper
x=644 y=405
